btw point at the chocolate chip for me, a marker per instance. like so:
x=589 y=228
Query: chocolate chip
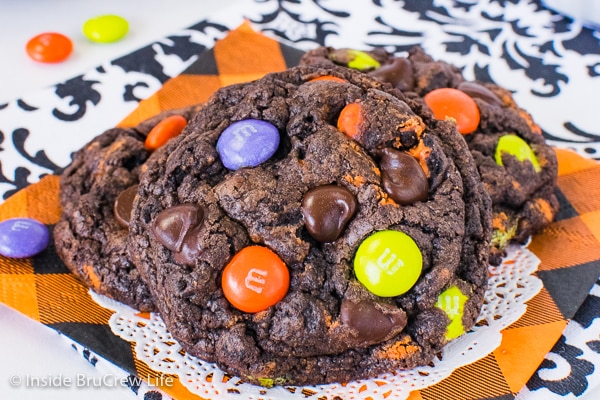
x=326 y=210
x=399 y=73
x=124 y=204
x=477 y=91
x=191 y=247
x=403 y=178
x=370 y=323
x=172 y=226
x=341 y=56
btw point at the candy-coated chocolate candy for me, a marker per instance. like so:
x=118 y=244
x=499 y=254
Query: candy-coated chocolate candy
x=350 y=120
x=452 y=302
x=454 y=104
x=362 y=61
x=247 y=143
x=354 y=59
x=255 y=279
x=403 y=178
x=166 y=129
x=370 y=323
x=22 y=237
x=49 y=47
x=124 y=205
x=105 y=28
x=329 y=78
x=517 y=147
x=388 y=263
x=326 y=210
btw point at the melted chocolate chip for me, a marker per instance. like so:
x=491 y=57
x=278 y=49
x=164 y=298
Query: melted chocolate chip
x=371 y=324
x=326 y=210
x=173 y=225
x=124 y=204
x=191 y=247
x=341 y=56
x=403 y=178
x=399 y=73
x=477 y=91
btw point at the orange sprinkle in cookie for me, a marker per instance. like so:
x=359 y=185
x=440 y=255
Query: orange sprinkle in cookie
x=421 y=153
x=545 y=208
x=413 y=124
x=499 y=221
x=355 y=180
x=398 y=350
x=384 y=198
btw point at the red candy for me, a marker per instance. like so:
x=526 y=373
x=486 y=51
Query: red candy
x=166 y=129
x=255 y=279
x=49 y=47
x=453 y=103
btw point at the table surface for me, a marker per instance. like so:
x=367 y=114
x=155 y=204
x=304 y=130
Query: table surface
x=32 y=350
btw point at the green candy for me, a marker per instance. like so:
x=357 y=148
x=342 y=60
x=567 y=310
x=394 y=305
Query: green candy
x=517 y=147
x=105 y=28
x=452 y=302
x=500 y=239
x=388 y=263
x=270 y=382
x=362 y=61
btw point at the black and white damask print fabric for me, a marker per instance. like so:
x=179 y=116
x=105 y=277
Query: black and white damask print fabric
x=39 y=131
x=548 y=61
x=551 y=64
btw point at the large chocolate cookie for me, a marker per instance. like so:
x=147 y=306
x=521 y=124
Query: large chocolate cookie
x=517 y=166
x=309 y=230
x=91 y=235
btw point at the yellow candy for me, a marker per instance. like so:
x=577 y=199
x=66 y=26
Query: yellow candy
x=514 y=145
x=105 y=28
x=452 y=302
x=362 y=61
x=388 y=263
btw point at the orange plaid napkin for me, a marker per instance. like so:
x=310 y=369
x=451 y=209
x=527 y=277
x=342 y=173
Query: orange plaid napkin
x=43 y=289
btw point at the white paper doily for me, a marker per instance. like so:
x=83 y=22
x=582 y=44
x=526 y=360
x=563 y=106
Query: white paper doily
x=510 y=285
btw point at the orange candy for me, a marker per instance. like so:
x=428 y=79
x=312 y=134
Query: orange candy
x=453 y=103
x=328 y=78
x=255 y=279
x=350 y=120
x=49 y=47
x=166 y=129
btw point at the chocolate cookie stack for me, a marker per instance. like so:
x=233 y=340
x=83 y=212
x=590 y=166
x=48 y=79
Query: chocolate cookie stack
x=517 y=166
x=316 y=225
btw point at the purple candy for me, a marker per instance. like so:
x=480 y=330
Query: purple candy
x=247 y=143
x=22 y=237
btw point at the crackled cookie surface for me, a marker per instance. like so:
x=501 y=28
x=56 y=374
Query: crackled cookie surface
x=517 y=166
x=307 y=230
x=96 y=195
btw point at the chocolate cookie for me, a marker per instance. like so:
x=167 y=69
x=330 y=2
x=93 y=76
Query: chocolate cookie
x=311 y=228
x=518 y=168
x=96 y=194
